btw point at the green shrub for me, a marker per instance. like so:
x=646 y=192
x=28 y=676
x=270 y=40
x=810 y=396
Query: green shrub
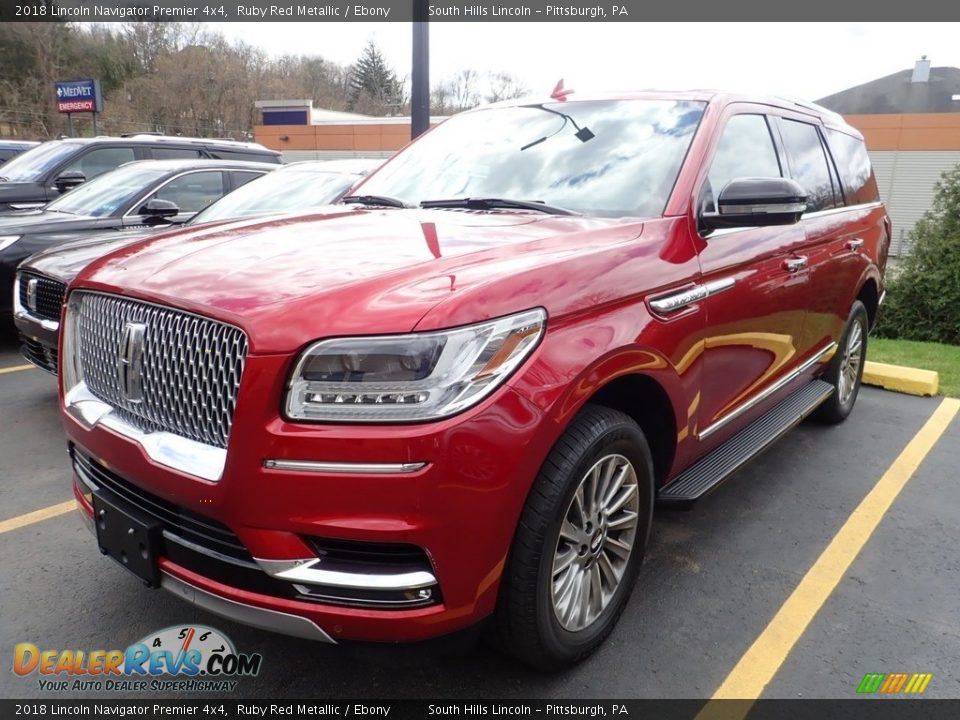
x=923 y=296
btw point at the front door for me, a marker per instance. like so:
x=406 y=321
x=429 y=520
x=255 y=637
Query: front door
x=757 y=305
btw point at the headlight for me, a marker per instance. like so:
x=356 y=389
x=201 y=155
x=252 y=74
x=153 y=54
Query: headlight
x=7 y=240
x=414 y=377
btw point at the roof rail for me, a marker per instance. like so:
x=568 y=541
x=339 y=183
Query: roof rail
x=812 y=106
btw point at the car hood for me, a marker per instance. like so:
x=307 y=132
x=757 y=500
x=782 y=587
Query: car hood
x=63 y=262
x=24 y=222
x=27 y=192
x=289 y=279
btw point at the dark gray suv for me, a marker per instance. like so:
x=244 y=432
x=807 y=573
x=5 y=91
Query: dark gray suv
x=40 y=175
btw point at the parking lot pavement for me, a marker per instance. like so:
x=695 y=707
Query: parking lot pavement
x=713 y=579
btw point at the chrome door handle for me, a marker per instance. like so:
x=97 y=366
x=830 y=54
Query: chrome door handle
x=794 y=264
x=855 y=244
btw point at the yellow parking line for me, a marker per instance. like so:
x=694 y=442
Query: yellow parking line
x=16 y=368
x=36 y=516
x=764 y=658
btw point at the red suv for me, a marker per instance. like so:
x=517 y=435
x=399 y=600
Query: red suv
x=458 y=395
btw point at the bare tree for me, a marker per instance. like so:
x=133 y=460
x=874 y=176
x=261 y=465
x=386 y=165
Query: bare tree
x=464 y=93
x=504 y=86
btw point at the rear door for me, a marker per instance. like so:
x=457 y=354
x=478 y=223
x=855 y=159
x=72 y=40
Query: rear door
x=836 y=232
x=756 y=308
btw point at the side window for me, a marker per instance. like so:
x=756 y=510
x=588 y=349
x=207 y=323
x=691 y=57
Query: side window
x=853 y=163
x=242 y=178
x=193 y=192
x=745 y=150
x=164 y=153
x=808 y=163
x=97 y=162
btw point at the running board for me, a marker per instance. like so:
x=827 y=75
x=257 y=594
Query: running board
x=711 y=470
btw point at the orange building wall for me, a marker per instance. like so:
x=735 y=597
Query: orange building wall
x=918 y=131
x=348 y=136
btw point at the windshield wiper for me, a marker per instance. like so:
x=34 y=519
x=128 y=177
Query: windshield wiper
x=382 y=200
x=490 y=203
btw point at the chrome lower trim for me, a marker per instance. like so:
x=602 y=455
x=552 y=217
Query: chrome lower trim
x=306 y=571
x=173 y=537
x=344 y=468
x=258 y=617
x=883 y=296
x=172 y=451
x=376 y=603
x=828 y=350
x=667 y=304
x=51 y=325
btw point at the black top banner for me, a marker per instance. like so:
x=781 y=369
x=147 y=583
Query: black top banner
x=490 y=709
x=447 y=11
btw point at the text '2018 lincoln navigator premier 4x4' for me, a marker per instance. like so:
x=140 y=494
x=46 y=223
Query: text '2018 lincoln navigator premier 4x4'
x=457 y=395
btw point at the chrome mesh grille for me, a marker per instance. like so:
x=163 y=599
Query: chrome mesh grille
x=49 y=296
x=191 y=366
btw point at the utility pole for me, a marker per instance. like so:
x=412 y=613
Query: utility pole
x=420 y=90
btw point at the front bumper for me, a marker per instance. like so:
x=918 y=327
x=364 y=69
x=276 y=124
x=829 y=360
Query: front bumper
x=452 y=490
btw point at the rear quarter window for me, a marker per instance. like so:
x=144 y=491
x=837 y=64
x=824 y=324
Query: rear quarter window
x=808 y=164
x=853 y=164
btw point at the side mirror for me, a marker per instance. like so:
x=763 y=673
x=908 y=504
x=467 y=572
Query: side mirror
x=69 y=180
x=757 y=202
x=159 y=209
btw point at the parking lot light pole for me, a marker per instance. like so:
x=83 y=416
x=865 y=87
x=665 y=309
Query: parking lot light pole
x=420 y=89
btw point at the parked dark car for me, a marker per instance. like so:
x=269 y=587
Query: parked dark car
x=9 y=149
x=43 y=173
x=459 y=398
x=43 y=277
x=146 y=194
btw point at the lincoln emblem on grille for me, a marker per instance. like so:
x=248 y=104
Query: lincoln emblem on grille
x=32 y=294
x=130 y=361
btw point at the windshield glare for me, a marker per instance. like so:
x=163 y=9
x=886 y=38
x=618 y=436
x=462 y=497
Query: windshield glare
x=31 y=165
x=628 y=168
x=286 y=190
x=108 y=193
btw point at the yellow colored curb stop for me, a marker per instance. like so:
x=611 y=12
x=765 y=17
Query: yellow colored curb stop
x=911 y=381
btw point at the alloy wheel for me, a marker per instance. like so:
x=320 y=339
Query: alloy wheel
x=596 y=540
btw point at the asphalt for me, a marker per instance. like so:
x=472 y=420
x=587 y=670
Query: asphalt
x=713 y=579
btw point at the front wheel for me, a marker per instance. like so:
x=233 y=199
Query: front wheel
x=580 y=541
x=845 y=371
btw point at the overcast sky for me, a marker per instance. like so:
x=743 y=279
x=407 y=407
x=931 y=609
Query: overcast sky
x=802 y=60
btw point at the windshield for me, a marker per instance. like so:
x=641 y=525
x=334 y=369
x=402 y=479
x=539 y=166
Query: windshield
x=108 y=193
x=291 y=189
x=609 y=158
x=31 y=165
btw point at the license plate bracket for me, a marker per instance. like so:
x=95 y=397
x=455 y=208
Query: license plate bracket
x=129 y=536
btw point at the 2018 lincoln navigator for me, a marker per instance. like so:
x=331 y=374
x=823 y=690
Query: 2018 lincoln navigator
x=458 y=394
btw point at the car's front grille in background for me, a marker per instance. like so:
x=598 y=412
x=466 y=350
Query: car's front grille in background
x=48 y=299
x=191 y=366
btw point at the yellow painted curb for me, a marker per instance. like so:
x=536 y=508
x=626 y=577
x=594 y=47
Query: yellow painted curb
x=911 y=381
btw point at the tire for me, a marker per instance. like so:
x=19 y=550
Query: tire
x=845 y=370
x=533 y=623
